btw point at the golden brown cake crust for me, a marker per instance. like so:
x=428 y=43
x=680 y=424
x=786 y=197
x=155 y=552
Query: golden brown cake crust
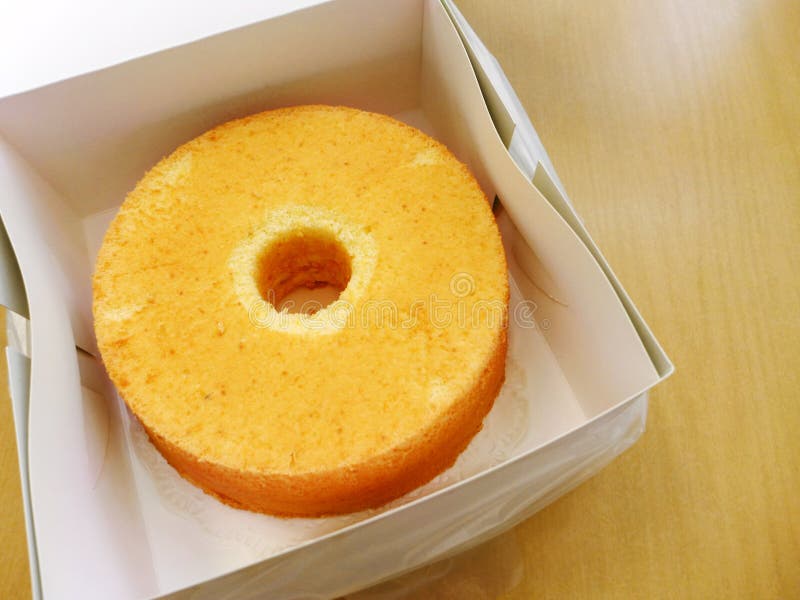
x=334 y=413
x=368 y=485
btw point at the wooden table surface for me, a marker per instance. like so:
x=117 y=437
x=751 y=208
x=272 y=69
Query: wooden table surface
x=675 y=125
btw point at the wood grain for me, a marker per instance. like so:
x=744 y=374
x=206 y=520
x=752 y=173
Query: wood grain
x=675 y=126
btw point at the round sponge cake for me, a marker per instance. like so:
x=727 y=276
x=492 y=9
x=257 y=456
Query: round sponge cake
x=327 y=409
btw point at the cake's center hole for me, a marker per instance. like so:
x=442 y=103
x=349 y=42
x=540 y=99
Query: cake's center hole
x=303 y=272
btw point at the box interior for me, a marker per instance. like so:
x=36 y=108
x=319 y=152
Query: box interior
x=573 y=355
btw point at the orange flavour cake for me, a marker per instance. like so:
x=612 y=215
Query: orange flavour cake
x=329 y=409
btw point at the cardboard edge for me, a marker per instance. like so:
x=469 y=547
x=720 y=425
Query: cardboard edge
x=501 y=117
x=552 y=194
x=12 y=288
x=19 y=372
x=461 y=35
x=284 y=9
x=481 y=58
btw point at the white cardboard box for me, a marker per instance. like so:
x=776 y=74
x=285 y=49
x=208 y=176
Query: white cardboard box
x=107 y=517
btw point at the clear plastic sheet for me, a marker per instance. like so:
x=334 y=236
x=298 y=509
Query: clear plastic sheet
x=487 y=572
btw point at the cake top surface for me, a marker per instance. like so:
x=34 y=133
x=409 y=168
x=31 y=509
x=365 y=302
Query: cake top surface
x=194 y=267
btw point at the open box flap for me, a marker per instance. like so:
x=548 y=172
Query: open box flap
x=594 y=329
x=517 y=132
